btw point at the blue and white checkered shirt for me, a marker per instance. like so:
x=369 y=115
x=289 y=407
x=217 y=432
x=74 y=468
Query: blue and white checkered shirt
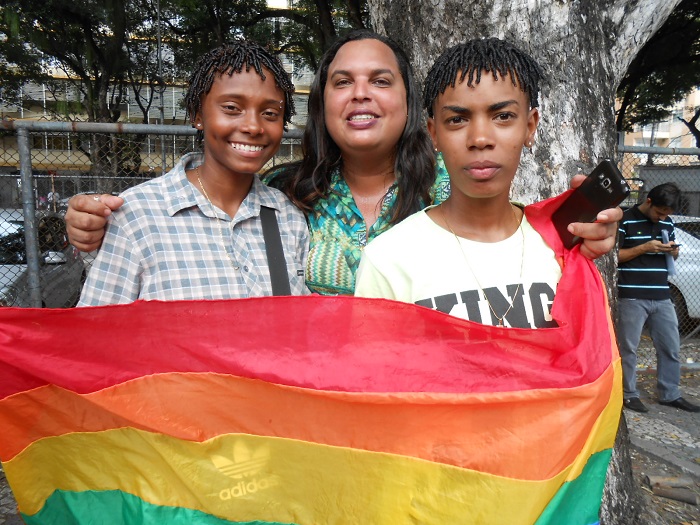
x=166 y=243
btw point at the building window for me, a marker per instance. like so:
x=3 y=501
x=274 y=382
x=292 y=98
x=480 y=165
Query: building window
x=49 y=141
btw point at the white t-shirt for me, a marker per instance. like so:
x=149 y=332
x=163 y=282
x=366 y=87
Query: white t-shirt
x=419 y=262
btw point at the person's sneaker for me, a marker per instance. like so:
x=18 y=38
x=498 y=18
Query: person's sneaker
x=682 y=404
x=634 y=403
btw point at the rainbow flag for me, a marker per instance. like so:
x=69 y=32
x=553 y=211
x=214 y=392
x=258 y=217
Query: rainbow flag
x=309 y=411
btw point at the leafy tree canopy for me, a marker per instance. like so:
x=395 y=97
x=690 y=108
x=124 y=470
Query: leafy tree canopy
x=303 y=32
x=105 y=47
x=99 y=46
x=664 y=72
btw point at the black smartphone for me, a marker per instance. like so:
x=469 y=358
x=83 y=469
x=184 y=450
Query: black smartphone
x=604 y=188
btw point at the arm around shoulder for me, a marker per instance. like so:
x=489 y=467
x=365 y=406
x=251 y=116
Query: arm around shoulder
x=86 y=219
x=115 y=276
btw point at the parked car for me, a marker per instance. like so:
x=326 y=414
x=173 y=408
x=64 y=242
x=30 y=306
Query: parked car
x=61 y=273
x=685 y=285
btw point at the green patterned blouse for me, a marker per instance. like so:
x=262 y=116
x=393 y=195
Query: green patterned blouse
x=338 y=233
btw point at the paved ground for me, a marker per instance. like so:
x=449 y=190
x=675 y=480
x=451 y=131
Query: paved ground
x=671 y=434
x=689 y=354
x=665 y=442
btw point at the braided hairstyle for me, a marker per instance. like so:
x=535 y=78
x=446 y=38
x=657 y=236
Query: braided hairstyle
x=474 y=57
x=229 y=59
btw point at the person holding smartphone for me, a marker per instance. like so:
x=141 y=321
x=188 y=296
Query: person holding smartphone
x=646 y=236
x=476 y=255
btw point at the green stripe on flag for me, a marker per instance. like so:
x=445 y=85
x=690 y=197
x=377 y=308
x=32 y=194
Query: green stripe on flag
x=119 y=508
x=577 y=502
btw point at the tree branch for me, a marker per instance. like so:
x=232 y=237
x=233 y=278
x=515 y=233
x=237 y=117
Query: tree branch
x=634 y=23
x=289 y=14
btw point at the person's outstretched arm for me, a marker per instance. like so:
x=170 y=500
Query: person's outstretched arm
x=598 y=237
x=86 y=219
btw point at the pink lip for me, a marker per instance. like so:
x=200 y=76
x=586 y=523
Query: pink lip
x=361 y=124
x=482 y=170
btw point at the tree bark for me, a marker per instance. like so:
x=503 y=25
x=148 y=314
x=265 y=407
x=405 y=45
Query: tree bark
x=585 y=49
x=326 y=25
x=355 y=14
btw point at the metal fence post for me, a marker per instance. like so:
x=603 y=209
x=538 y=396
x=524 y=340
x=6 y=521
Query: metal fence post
x=29 y=208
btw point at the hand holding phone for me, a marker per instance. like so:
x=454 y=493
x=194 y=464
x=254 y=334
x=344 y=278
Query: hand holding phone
x=604 y=188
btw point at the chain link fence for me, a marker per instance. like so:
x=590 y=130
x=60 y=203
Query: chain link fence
x=644 y=168
x=43 y=164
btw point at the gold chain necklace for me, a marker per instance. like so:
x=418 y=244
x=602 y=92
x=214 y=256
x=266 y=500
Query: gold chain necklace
x=221 y=226
x=464 y=256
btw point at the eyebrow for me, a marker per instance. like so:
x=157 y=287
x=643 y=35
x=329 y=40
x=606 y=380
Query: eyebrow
x=238 y=96
x=373 y=73
x=493 y=107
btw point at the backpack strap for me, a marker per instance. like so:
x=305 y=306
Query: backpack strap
x=276 y=262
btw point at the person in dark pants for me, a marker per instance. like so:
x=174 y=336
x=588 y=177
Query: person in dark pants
x=646 y=238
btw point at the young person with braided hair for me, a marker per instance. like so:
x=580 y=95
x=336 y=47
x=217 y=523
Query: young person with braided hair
x=367 y=164
x=538 y=331
x=475 y=255
x=196 y=232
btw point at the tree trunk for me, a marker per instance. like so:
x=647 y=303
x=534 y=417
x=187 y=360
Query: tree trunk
x=326 y=25
x=622 y=500
x=585 y=49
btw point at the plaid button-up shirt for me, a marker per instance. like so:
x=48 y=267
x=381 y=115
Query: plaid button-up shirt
x=167 y=243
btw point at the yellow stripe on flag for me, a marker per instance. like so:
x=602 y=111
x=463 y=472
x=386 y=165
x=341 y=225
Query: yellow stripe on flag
x=242 y=478
x=604 y=430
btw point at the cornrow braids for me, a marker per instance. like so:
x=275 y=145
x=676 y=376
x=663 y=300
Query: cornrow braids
x=474 y=57
x=229 y=59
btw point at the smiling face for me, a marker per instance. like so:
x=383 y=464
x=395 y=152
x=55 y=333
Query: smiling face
x=481 y=131
x=365 y=99
x=242 y=117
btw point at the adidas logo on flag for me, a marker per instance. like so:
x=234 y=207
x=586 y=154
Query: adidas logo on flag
x=246 y=462
x=244 y=466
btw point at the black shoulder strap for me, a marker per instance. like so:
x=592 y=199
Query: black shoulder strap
x=275 y=253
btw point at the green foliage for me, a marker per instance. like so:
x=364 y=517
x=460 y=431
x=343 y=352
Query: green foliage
x=104 y=48
x=664 y=72
x=303 y=33
x=18 y=62
x=193 y=27
x=655 y=96
x=306 y=31
x=82 y=39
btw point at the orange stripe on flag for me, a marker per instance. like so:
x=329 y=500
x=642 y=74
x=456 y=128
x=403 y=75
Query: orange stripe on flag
x=477 y=431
